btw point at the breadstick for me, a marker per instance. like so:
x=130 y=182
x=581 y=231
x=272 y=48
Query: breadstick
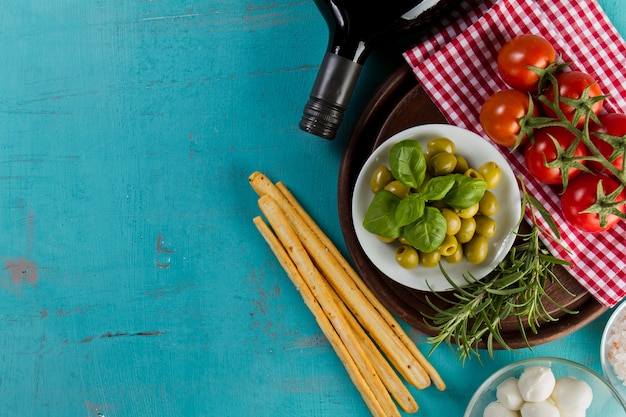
x=389 y=377
x=325 y=325
x=384 y=312
x=394 y=385
x=321 y=292
x=371 y=319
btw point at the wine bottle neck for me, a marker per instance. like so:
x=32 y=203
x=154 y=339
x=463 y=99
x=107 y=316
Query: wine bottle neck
x=331 y=92
x=354 y=29
x=354 y=50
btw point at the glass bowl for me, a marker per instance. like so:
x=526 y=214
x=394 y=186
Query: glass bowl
x=606 y=400
x=611 y=348
x=476 y=151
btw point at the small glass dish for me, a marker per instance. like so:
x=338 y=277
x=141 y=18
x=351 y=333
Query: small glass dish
x=612 y=349
x=606 y=400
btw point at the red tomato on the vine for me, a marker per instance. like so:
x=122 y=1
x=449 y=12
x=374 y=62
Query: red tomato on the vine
x=544 y=150
x=501 y=114
x=613 y=124
x=581 y=193
x=572 y=85
x=520 y=52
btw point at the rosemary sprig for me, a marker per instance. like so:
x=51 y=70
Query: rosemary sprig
x=515 y=288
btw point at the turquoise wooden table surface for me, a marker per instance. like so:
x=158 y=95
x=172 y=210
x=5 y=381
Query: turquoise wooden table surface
x=134 y=282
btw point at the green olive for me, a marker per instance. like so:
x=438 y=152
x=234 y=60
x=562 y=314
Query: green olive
x=456 y=257
x=448 y=246
x=430 y=259
x=443 y=163
x=427 y=158
x=471 y=172
x=467 y=230
x=491 y=173
x=485 y=226
x=385 y=239
x=466 y=213
x=488 y=204
x=403 y=240
x=407 y=256
x=453 y=221
x=381 y=177
x=461 y=164
x=436 y=145
x=476 y=250
x=398 y=188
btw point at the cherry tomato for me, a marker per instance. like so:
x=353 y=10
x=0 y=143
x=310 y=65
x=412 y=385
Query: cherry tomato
x=571 y=85
x=544 y=147
x=501 y=113
x=580 y=194
x=613 y=124
x=520 y=52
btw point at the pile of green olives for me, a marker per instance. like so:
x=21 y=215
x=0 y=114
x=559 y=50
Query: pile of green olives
x=468 y=230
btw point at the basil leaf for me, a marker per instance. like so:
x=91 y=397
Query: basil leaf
x=407 y=163
x=410 y=209
x=380 y=217
x=428 y=232
x=465 y=192
x=437 y=187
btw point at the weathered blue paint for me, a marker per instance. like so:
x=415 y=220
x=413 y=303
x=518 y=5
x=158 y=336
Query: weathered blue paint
x=133 y=282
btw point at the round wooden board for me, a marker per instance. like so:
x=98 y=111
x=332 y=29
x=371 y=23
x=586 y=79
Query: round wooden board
x=400 y=103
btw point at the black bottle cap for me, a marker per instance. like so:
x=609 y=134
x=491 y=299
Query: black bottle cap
x=330 y=95
x=321 y=118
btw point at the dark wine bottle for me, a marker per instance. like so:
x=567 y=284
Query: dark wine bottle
x=355 y=27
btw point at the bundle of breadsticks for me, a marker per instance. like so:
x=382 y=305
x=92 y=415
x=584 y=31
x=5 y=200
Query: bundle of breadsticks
x=366 y=337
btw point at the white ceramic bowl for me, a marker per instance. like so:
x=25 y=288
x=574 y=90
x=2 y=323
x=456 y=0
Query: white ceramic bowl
x=616 y=320
x=606 y=401
x=477 y=151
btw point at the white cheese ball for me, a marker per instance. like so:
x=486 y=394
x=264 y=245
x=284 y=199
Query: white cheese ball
x=508 y=394
x=536 y=383
x=576 y=413
x=495 y=409
x=539 y=409
x=572 y=394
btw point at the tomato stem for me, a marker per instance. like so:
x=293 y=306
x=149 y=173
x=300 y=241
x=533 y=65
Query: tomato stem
x=606 y=204
x=565 y=159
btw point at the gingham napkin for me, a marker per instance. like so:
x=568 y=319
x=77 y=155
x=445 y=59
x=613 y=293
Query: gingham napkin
x=457 y=68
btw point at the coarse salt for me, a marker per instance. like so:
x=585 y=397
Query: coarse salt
x=616 y=348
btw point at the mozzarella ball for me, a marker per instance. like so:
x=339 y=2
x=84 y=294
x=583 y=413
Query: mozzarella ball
x=508 y=394
x=572 y=394
x=539 y=409
x=536 y=383
x=495 y=409
x=573 y=413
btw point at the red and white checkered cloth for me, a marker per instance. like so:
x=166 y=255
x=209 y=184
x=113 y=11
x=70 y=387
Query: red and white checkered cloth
x=456 y=66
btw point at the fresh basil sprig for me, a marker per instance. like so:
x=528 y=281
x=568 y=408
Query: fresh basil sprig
x=407 y=163
x=422 y=225
x=380 y=218
x=428 y=232
x=466 y=191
